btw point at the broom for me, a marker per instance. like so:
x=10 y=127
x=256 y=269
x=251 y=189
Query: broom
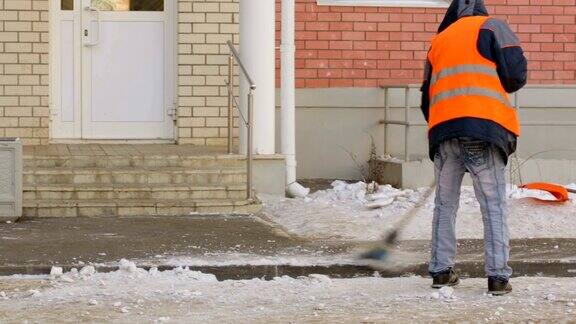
x=379 y=255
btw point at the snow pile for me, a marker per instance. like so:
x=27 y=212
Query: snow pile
x=126 y=270
x=127 y=266
x=341 y=191
x=194 y=275
x=444 y=293
x=56 y=271
x=447 y=293
x=127 y=274
x=356 y=194
x=123 y=296
x=350 y=211
x=297 y=257
x=87 y=271
x=58 y=274
x=360 y=195
x=320 y=279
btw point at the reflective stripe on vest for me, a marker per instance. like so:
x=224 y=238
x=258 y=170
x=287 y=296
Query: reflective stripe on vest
x=473 y=91
x=464 y=83
x=464 y=68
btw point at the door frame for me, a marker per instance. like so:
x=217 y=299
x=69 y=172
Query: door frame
x=72 y=133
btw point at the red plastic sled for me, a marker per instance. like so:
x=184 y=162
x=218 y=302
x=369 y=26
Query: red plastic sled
x=559 y=192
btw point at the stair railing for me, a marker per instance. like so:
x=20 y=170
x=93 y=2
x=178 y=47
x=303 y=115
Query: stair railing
x=248 y=121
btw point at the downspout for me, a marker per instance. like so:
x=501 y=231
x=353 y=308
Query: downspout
x=287 y=94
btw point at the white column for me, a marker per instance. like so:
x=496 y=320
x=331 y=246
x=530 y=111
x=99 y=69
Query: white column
x=257 y=46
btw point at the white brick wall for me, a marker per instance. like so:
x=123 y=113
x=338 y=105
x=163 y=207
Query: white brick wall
x=24 y=70
x=203 y=29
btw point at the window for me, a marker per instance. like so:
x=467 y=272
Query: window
x=119 y=5
x=67 y=5
x=387 y=3
x=129 y=5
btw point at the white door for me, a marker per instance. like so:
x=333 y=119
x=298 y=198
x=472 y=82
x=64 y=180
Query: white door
x=116 y=72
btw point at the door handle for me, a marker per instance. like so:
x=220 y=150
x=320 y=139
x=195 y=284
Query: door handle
x=93 y=42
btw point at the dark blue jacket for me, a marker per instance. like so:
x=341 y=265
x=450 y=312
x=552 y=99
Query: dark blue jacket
x=497 y=43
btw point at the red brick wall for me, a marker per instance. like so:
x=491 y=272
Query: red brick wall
x=372 y=46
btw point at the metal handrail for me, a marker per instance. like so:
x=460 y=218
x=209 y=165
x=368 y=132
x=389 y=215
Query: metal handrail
x=241 y=65
x=407 y=123
x=248 y=121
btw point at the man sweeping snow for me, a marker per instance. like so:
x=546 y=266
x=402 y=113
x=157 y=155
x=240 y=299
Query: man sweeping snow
x=473 y=62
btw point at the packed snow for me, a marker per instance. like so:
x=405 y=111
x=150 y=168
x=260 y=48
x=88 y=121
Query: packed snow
x=444 y=293
x=352 y=211
x=302 y=258
x=132 y=294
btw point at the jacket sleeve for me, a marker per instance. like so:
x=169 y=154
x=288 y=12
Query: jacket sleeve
x=499 y=44
x=425 y=101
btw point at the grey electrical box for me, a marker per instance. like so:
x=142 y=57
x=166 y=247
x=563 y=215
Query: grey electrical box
x=10 y=178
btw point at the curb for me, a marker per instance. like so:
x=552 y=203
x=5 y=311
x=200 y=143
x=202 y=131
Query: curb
x=471 y=269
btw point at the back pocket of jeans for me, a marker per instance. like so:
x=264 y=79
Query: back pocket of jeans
x=476 y=154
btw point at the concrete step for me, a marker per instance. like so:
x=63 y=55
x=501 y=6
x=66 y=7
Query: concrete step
x=127 y=191
x=221 y=177
x=141 y=161
x=135 y=207
x=132 y=180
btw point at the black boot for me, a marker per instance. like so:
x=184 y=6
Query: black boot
x=498 y=286
x=448 y=277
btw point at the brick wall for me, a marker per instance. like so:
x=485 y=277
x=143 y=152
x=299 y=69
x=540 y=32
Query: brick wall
x=336 y=47
x=204 y=27
x=24 y=70
x=371 y=46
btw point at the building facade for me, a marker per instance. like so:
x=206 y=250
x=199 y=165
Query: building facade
x=155 y=71
x=370 y=46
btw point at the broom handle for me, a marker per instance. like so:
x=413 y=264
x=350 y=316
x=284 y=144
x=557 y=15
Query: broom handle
x=391 y=236
x=414 y=211
x=571 y=190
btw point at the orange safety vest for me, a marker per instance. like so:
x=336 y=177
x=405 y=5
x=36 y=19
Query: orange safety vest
x=464 y=83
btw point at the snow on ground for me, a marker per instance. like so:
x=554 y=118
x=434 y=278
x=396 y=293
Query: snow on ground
x=342 y=213
x=303 y=258
x=183 y=296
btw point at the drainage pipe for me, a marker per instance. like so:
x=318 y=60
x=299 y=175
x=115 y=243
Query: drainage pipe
x=287 y=94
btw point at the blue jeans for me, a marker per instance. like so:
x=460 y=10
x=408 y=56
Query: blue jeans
x=487 y=170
